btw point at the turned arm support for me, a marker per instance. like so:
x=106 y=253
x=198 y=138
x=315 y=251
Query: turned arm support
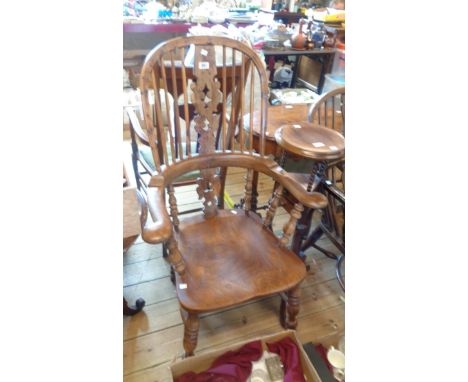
x=160 y=229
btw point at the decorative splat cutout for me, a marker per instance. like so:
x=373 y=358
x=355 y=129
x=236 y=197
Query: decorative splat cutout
x=207 y=96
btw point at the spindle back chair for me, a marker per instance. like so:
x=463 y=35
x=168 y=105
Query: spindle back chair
x=329 y=110
x=221 y=257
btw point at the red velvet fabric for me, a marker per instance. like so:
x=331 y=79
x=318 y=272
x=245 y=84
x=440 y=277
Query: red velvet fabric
x=287 y=349
x=236 y=366
x=232 y=366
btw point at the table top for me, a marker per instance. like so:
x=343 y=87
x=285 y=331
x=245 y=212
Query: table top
x=311 y=140
x=277 y=116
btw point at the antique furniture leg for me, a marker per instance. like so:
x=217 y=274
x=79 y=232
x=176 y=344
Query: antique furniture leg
x=131 y=310
x=135 y=158
x=191 y=326
x=339 y=274
x=289 y=308
x=302 y=228
x=292 y=307
x=304 y=223
x=282 y=312
x=313 y=238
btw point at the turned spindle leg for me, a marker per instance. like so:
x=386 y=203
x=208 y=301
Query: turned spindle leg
x=191 y=326
x=282 y=313
x=293 y=306
x=175 y=258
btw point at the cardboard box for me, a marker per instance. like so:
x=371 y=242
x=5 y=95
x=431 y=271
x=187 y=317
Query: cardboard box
x=202 y=362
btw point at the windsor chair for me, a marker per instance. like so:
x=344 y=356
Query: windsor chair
x=221 y=257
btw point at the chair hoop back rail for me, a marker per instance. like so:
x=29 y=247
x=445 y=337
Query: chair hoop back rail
x=329 y=110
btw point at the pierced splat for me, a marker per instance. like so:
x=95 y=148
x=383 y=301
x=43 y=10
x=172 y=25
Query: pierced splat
x=207 y=96
x=208 y=188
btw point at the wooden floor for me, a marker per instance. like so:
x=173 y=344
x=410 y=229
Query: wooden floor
x=153 y=338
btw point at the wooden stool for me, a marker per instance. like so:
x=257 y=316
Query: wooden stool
x=277 y=116
x=320 y=144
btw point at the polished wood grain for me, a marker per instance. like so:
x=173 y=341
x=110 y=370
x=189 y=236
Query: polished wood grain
x=228 y=271
x=221 y=258
x=277 y=116
x=311 y=141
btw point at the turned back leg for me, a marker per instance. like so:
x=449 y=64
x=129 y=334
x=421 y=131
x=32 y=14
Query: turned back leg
x=289 y=308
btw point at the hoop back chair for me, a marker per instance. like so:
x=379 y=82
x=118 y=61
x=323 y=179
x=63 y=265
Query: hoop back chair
x=221 y=257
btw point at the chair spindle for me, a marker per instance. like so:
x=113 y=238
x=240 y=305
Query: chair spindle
x=248 y=190
x=290 y=226
x=173 y=206
x=274 y=202
x=251 y=126
x=223 y=133
x=186 y=111
x=178 y=137
x=175 y=258
x=170 y=128
x=158 y=113
x=242 y=104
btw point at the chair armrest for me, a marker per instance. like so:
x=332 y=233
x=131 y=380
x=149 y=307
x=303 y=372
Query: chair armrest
x=135 y=125
x=160 y=229
x=314 y=200
x=266 y=166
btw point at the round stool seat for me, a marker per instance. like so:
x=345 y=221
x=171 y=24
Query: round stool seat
x=311 y=140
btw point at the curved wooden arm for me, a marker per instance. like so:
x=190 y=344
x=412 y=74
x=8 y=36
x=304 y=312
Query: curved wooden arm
x=314 y=200
x=160 y=230
x=266 y=166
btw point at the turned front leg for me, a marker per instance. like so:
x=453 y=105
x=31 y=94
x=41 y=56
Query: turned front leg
x=292 y=307
x=191 y=327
